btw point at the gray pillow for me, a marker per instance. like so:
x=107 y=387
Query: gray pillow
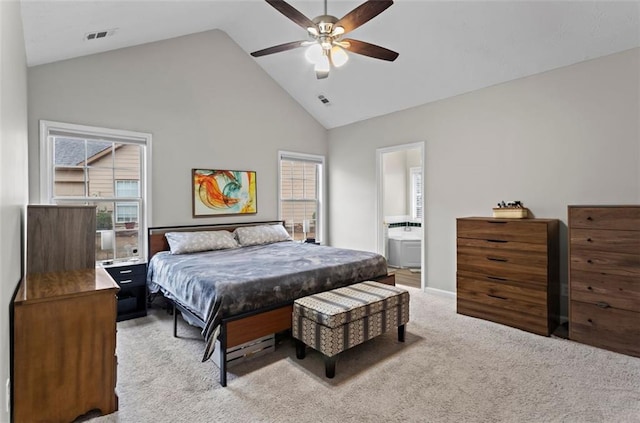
x=262 y=234
x=192 y=242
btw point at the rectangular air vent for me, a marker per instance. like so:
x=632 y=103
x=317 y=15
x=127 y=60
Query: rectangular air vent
x=96 y=35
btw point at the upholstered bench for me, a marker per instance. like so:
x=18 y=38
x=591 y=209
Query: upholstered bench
x=336 y=320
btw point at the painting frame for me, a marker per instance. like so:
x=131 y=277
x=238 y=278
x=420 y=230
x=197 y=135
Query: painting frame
x=222 y=192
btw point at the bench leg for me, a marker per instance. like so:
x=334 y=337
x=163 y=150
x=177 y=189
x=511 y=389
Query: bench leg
x=330 y=366
x=401 y=333
x=300 y=349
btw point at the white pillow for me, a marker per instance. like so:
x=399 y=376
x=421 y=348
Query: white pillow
x=263 y=234
x=192 y=242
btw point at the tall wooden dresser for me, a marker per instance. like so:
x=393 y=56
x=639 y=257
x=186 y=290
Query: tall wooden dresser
x=604 y=277
x=508 y=271
x=64 y=321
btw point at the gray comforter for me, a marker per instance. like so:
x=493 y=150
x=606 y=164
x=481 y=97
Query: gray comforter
x=217 y=284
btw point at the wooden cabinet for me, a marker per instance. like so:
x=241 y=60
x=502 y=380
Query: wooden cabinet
x=604 y=277
x=132 y=297
x=64 y=345
x=508 y=271
x=64 y=321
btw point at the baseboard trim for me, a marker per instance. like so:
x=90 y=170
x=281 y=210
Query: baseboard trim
x=440 y=292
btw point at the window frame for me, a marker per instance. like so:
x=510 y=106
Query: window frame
x=320 y=189
x=50 y=129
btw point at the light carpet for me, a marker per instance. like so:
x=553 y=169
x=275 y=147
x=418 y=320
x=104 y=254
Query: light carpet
x=452 y=368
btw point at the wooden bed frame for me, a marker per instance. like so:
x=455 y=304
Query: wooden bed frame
x=238 y=329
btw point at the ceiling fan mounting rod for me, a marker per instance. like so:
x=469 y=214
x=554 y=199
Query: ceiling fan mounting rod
x=325 y=7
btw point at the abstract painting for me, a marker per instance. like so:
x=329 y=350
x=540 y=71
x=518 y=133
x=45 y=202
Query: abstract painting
x=223 y=192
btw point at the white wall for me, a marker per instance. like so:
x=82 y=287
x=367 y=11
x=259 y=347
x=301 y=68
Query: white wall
x=13 y=172
x=568 y=136
x=206 y=102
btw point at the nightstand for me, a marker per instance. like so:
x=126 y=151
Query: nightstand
x=132 y=297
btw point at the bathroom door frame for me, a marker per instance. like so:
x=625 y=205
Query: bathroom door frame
x=380 y=152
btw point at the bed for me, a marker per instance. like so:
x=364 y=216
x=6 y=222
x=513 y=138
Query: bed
x=246 y=291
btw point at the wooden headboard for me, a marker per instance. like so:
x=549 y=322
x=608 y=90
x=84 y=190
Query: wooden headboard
x=158 y=242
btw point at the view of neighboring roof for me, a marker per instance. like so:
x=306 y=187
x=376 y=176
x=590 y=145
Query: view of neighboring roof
x=71 y=151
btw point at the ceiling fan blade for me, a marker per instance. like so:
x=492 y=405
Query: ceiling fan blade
x=279 y=48
x=291 y=13
x=362 y=14
x=371 y=50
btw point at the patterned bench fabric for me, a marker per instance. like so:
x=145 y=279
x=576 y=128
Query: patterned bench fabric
x=336 y=320
x=331 y=341
x=343 y=305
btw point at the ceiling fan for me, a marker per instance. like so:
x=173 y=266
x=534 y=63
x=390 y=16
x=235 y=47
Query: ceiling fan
x=326 y=45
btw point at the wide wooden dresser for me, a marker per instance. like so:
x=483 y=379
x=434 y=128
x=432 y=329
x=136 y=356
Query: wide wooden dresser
x=508 y=271
x=64 y=345
x=604 y=277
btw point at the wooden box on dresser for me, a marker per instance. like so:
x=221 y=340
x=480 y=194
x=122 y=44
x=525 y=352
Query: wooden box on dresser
x=64 y=321
x=604 y=277
x=508 y=271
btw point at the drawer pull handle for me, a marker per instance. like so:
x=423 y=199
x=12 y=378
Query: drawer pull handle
x=496 y=296
x=496 y=240
x=122 y=272
x=496 y=222
x=497 y=259
x=589 y=218
x=589 y=320
x=127 y=281
x=495 y=278
x=589 y=240
x=590 y=261
x=589 y=288
x=602 y=304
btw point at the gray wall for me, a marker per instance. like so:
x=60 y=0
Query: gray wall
x=568 y=136
x=206 y=102
x=13 y=171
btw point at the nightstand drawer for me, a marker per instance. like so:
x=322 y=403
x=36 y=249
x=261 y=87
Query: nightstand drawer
x=131 y=274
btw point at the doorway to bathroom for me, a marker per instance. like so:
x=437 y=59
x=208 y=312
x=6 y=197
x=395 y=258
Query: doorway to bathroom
x=400 y=212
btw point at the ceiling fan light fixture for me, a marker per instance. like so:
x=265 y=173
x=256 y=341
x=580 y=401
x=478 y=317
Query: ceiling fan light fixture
x=323 y=65
x=313 y=31
x=338 y=56
x=314 y=53
x=338 y=30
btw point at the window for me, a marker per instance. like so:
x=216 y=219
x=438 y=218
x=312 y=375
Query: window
x=416 y=193
x=102 y=167
x=127 y=212
x=301 y=194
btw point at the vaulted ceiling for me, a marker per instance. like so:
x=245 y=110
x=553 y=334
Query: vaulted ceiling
x=446 y=47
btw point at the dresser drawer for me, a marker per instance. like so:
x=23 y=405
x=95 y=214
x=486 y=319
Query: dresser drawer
x=491 y=302
x=606 y=240
x=503 y=230
x=609 y=328
x=474 y=287
x=621 y=292
x=604 y=217
x=605 y=262
x=499 y=246
x=512 y=265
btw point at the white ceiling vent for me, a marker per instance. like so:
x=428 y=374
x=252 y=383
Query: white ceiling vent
x=96 y=35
